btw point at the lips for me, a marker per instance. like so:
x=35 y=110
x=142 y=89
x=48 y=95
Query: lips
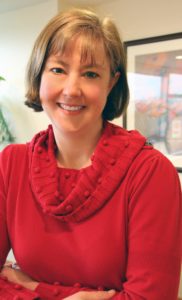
x=70 y=107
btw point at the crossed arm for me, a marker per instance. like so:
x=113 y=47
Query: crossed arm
x=18 y=277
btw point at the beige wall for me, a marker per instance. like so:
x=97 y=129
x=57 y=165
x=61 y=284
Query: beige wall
x=141 y=18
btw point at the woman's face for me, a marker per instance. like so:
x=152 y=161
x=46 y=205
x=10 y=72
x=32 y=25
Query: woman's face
x=74 y=93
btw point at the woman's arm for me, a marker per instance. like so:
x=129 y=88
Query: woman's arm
x=18 y=277
x=21 y=280
x=8 y=290
x=154 y=231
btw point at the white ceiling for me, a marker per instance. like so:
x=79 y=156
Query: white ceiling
x=8 y=5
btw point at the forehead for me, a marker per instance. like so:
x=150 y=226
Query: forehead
x=89 y=52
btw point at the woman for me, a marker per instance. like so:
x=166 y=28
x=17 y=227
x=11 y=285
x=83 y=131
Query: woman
x=90 y=210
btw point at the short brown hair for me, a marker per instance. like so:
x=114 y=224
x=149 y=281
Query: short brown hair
x=55 y=38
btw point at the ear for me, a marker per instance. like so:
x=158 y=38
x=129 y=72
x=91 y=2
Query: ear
x=114 y=80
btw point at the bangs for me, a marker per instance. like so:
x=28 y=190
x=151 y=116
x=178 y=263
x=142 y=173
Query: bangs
x=89 y=40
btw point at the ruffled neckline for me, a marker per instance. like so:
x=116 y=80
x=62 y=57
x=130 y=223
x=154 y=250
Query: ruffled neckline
x=114 y=153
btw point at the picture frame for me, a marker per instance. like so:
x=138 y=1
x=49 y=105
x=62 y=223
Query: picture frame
x=154 y=68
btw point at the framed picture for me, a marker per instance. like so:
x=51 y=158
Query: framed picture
x=155 y=82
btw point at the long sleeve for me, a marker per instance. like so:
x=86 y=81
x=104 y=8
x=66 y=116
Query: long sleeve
x=154 y=233
x=57 y=291
x=8 y=290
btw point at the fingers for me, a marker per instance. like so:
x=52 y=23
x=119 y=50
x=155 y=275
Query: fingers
x=106 y=295
x=85 y=295
x=18 y=277
x=99 y=295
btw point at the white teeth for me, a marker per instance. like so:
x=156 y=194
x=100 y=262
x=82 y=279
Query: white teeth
x=70 y=108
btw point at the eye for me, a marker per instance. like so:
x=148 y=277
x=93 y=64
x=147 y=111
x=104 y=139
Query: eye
x=91 y=74
x=58 y=70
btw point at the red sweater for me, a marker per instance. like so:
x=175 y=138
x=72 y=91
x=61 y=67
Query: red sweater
x=115 y=224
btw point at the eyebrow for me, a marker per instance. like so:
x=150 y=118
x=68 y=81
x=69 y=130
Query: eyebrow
x=84 y=66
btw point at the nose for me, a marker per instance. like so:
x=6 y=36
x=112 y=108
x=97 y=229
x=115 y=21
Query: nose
x=72 y=86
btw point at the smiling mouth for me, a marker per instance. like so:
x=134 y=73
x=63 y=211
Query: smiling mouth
x=71 y=107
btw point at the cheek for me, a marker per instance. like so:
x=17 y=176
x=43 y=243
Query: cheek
x=43 y=91
x=47 y=90
x=97 y=93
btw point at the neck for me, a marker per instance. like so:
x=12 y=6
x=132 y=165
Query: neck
x=75 y=149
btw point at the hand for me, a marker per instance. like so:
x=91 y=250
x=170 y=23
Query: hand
x=18 y=277
x=100 y=295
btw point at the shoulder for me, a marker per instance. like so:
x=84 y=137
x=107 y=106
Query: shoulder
x=150 y=158
x=147 y=154
x=147 y=162
x=12 y=154
x=152 y=171
x=13 y=149
x=135 y=154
